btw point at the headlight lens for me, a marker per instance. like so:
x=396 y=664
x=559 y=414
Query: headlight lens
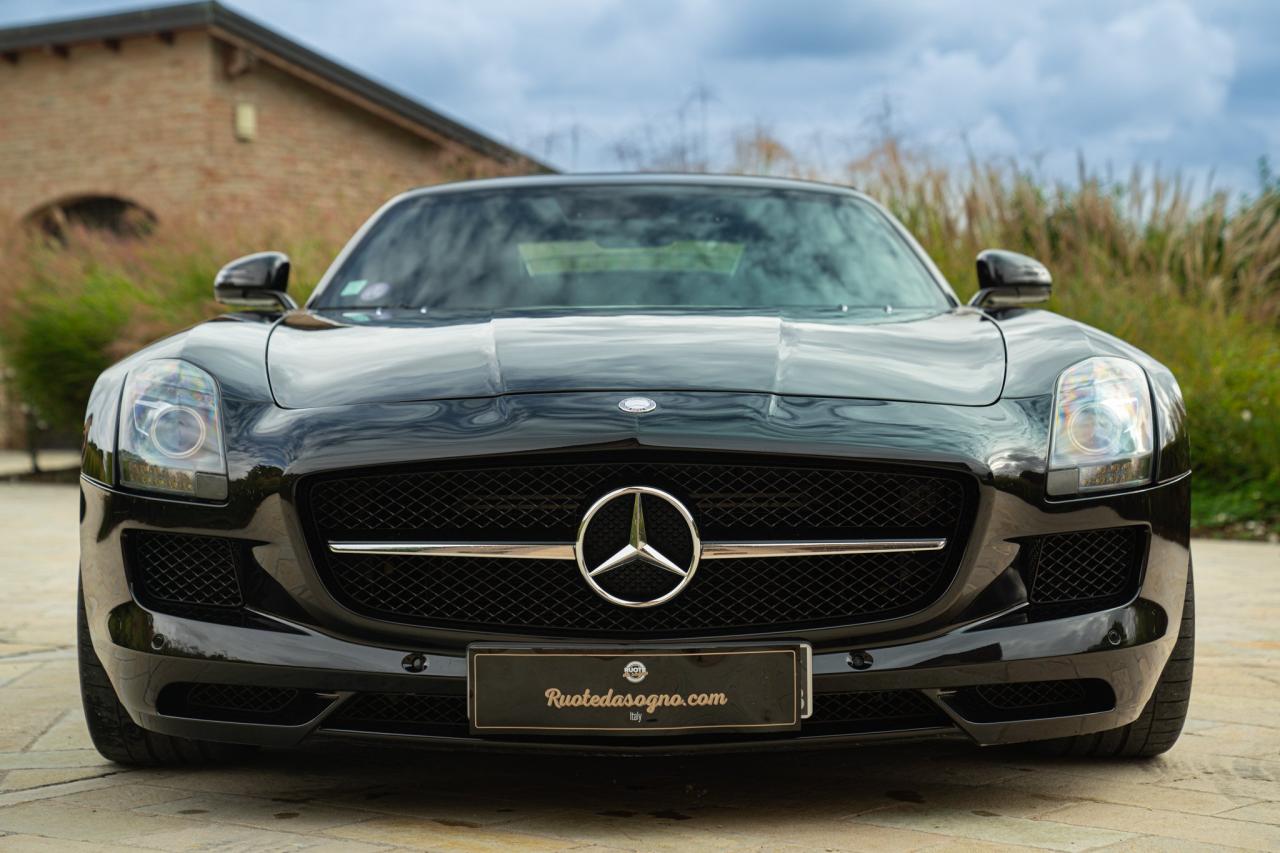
x=1103 y=434
x=171 y=432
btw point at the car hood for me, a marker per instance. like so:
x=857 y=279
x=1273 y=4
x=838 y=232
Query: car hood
x=951 y=357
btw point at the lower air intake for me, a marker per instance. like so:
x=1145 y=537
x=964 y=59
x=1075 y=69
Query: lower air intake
x=1086 y=566
x=1031 y=700
x=873 y=710
x=412 y=713
x=241 y=703
x=176 y=568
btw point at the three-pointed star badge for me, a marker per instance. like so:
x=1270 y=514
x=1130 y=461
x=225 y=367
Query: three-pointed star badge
x=638 y=548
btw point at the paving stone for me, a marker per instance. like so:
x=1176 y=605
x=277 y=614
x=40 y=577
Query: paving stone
x=1183 y=827
x=21 y=780
x=1067 y=786
x=1247 y=710
x=431 y=835
x=59 y=820
x=998 y=799
x=256 y=811
x=68 y=732
x=966 y=845
x=57 y=758
x=1158 y=844
x=13 y=669
x=23 y=843
x=123 y=795
x=409 y=802
x=984 y=826
x=1264 y=812
x=230 y=838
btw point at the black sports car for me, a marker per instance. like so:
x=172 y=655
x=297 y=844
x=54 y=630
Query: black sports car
x=635 y=463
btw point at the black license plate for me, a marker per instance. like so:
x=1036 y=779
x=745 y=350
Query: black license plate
x=646 y=691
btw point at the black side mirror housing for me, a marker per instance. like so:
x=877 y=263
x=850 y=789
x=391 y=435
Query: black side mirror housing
x=1010 y=280
x=255 y=281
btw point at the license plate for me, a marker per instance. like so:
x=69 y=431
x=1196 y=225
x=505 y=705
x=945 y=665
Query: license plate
x=637 y=691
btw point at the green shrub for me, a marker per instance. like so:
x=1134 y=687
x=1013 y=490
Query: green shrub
x=62 y=344
x=70 y=309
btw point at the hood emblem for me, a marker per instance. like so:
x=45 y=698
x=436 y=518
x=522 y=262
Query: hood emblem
x=626 y=565
x=637 y=405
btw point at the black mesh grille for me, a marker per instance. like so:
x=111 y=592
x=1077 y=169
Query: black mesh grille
x=1031 y=694
x=875 y=709
x=1029 y=700
x=1087 y=565
x=380 y=711
x=241 y=703
x=724 y=594
x=175 y=568
x=545 y=501
x=240 y=697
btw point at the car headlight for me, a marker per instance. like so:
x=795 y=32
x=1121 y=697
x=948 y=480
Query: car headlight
x=171 y=432
x=1103 y=434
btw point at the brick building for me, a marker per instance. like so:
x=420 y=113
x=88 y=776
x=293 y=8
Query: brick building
x=193 y=111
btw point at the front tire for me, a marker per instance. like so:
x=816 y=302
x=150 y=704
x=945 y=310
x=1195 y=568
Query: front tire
x=117 y=737
x=1158 y=726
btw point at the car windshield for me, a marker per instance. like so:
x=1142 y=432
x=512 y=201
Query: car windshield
x=608 y=246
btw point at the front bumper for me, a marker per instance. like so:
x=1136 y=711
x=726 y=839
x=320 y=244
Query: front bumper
x=1126 y=647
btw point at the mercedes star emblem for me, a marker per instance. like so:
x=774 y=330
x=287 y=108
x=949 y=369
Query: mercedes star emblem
x=637 y=405
x=623 y=562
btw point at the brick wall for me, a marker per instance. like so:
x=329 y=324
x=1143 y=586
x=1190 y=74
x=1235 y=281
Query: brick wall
x=152 y=122
x=132 y=123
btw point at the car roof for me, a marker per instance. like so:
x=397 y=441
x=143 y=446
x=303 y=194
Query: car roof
x=583 y=179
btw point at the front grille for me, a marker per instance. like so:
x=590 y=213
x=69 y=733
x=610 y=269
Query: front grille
x=874 y=710
x=1029 y=700
x=521 y=500
x=517 y=499
x=175 y=568
x=1086 y=566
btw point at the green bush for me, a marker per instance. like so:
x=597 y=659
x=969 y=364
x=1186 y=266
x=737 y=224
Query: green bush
x=62 y=344
x=70 y=309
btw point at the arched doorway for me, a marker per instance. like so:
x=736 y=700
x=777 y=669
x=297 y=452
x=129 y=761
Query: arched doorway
x=103 y=213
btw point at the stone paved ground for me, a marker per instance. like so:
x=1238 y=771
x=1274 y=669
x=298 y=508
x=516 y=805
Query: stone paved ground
x=1219 y=787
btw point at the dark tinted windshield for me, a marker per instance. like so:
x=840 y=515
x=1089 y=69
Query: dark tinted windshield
x=632 y=246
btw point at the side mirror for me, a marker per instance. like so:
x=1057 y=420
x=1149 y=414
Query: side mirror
x=1009 y=280
x=255 y=281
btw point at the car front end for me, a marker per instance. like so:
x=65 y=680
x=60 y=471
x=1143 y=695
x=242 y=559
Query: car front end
x=638 y=565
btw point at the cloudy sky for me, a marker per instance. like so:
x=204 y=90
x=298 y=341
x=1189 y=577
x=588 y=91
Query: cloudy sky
x=592 y=84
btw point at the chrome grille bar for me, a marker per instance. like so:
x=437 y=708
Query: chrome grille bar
x=501 y=550
x=710 y=550
x=748 y=550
